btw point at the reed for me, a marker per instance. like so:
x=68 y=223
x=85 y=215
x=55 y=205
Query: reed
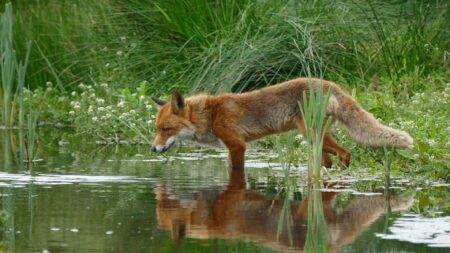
x=7 y=65
x=313 y=107
x=13 y=73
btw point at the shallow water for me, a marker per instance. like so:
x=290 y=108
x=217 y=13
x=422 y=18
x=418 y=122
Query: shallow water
x=125 y=199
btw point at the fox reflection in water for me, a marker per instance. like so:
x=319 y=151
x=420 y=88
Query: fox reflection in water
x=240 y=213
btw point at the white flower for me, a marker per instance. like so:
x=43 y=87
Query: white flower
x=90 y=109
x=100 y=100
x=148 y=107
x=82 y=86
x=149 y=121
x=121 y=104
x=141 y=98
x=104 y=85
x=101 y=109
x=119 y=52
x=73 y=94
x=94 y=119
x=132 y=112
x=75 y=104
x=71 y=113
x=124 y=116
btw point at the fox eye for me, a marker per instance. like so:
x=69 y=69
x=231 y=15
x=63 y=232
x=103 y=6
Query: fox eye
x=166 y=129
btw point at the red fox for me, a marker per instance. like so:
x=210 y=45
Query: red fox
x=234 y=119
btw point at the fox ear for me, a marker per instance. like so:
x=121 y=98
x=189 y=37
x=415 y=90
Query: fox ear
x=177 y=102
x=159 y=101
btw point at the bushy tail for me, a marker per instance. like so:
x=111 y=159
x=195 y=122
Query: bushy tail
x=362 y=126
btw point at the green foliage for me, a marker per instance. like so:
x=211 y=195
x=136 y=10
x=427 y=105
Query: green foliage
x=12 y=73
x=230 y=45
x=68 y=36
x=314 y=109
x=108 y=114
x=8 y=66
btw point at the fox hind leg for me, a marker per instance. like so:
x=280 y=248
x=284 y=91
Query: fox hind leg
x=331 y=147
x=326 y=159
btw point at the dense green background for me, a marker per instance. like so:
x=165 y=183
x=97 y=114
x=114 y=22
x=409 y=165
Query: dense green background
x=95 y=64
x=220 y=45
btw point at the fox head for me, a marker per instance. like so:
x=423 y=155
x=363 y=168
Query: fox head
x=172 y=122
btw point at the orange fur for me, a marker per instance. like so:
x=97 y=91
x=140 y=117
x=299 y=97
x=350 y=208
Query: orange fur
x=234 y=119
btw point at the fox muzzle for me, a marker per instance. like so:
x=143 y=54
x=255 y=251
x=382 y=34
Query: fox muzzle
x=163 y=148
x=159 y=149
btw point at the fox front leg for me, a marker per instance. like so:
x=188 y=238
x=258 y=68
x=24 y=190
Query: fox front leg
x=236 y=173
x=236 y=148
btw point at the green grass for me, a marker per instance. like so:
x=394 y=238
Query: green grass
x=229 y=45
x=13 y=73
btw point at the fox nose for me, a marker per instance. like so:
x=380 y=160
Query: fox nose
x=159 y=149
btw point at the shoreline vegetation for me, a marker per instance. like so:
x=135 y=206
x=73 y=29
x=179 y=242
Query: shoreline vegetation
x=94 y=66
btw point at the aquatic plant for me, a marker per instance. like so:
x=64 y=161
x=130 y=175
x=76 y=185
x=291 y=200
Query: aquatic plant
x=8 y=66
x=314 y=108
x=13 y=73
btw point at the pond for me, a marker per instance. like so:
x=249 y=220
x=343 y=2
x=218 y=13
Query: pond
x=88 y=198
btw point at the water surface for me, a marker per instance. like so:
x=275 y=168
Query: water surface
x=124 y=199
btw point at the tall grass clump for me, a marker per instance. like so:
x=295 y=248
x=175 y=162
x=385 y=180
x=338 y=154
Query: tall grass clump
x=412 y=41
x=73 y=40
x=12 y=73
x=228 y=45
x=7 y=65
x=314 y=108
